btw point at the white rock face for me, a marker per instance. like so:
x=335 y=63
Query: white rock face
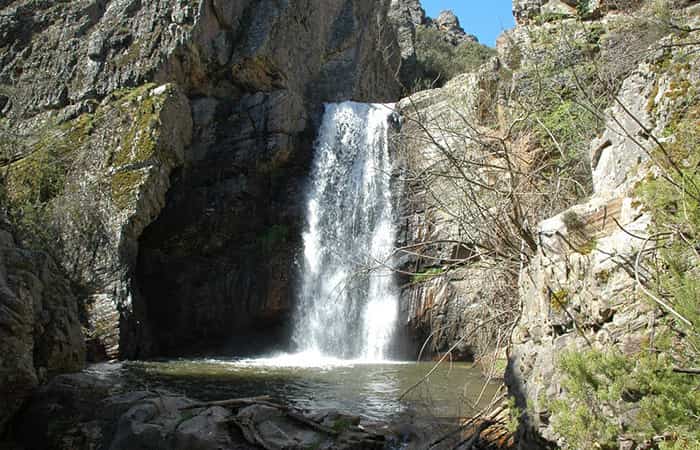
x=624 y=147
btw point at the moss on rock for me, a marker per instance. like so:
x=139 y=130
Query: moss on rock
x=124 y=187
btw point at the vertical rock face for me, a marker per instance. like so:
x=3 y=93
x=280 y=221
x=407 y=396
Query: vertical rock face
x=217 y=99
x=40 y=332
x=405 y=16
x=443 y=304
x=220 y=260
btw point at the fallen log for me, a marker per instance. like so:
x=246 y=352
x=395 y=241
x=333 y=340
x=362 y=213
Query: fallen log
x=245 y=401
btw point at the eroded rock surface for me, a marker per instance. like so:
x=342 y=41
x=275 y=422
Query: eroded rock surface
x=446 y=307
x=40 y=330
x=213 y=101
x=580 y=291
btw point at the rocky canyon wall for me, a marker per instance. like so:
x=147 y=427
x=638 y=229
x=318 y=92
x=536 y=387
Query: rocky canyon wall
x=577 y=286
x=178 y=135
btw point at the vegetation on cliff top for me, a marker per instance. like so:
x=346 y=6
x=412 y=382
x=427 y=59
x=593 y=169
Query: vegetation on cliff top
x=439 y=61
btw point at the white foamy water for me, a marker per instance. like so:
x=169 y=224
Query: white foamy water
x=303 y=360
x=348 y=303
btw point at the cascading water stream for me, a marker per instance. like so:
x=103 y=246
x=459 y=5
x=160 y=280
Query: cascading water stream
x=348 y=301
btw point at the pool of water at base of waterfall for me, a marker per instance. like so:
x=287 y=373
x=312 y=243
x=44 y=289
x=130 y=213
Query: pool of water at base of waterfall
x=370 y=389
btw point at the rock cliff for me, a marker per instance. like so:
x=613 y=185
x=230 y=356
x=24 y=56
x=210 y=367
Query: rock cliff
x=211 y=102
x=582 y=289
x=40 y=327
x=444 y=299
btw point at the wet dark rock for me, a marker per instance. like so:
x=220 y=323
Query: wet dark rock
x=90 y=410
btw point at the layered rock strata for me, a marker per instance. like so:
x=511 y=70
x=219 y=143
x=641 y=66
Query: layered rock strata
x=581 y=290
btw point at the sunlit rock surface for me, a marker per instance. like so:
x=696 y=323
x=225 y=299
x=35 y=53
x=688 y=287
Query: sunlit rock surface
x=580 y=290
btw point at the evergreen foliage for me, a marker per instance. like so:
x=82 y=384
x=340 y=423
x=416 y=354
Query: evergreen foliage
x=439 y=61
x=639 y=397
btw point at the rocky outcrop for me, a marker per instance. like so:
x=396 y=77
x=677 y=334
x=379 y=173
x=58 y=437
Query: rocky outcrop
x=525 y=11
x=577 y=282
x=448 y=23
x=40 y=330
x=212 y=102
x=122 y=151
x=405 y=16
x=581 y=289
x=444 y=298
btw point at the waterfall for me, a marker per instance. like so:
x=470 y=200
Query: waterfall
x=348 y=298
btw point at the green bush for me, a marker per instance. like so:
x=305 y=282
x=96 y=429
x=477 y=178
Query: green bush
x=639 y=397
x=674 y=202
x=29 y=186
x=439 y=61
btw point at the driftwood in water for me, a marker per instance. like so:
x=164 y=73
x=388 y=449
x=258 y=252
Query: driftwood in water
x=246 y=401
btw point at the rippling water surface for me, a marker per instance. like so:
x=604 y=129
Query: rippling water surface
x=369 y=389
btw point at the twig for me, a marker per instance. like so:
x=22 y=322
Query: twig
x=448 y=352
x=689 y=371
x=317 y=426
x=648 y=293
x=474 y=438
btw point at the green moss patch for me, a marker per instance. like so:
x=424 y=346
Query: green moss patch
x=427 y=275
x=125 y=187
x=139 y=143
